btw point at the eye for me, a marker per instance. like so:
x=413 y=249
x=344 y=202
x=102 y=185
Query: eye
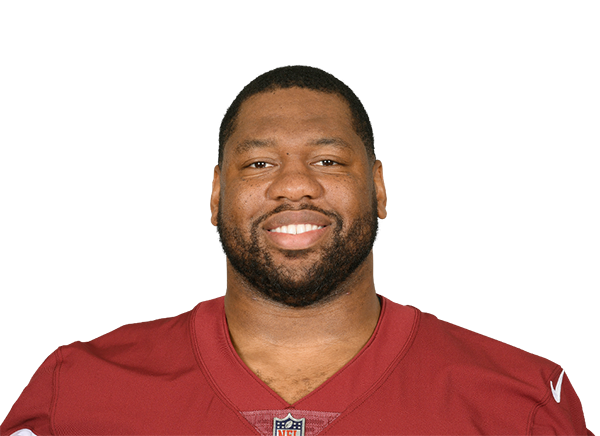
x=326 y=163
x=259 y=165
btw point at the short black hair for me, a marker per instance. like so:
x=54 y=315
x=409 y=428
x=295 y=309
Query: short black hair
x=301 y=77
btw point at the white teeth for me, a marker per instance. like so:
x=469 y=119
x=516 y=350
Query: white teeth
x=296 y=229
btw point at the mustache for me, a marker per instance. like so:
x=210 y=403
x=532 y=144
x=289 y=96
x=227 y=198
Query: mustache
x=289 y=207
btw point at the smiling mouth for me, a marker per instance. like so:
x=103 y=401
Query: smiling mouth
x=294 y=239
x=296 y=229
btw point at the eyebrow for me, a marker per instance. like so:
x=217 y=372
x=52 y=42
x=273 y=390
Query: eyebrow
x=249 y=144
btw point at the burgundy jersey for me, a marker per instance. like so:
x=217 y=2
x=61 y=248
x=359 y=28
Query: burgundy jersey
x=182 y=376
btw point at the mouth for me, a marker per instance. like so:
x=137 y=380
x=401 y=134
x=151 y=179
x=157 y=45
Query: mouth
x=296 y=229
x=296 y=236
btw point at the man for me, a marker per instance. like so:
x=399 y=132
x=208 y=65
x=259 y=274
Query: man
x=301 y=344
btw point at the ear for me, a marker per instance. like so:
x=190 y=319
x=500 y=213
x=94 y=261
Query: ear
x=215 y=195
x=379 y=189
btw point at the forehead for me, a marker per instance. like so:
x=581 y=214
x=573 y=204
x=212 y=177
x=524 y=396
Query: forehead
x=293 y=115
x=294 y=100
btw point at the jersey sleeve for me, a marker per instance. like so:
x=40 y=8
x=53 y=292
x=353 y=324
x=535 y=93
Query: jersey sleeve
x=560 y=413
x=33 y=408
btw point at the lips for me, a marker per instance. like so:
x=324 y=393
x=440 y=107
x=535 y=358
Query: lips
x=295 y=218
x=296 y=230
x=301 y=241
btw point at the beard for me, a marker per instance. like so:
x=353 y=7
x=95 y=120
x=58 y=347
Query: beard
x=302 y=286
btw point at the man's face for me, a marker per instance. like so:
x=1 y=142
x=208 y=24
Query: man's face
x=296 y=199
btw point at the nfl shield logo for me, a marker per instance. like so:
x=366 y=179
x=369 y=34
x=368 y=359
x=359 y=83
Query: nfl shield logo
x=288 y=426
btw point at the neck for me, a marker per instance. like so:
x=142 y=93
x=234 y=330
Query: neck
x=294 y=350
x=351 y=315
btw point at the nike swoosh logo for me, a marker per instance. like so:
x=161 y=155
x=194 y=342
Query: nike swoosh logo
x=556 y=392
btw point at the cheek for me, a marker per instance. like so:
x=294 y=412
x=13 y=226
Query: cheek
x=349 y=190
x=351 y=197
x=240 y=201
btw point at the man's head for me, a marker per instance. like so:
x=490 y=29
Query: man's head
x=296 y=194
x=300 y=77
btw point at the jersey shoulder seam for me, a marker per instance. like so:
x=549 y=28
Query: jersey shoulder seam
x=542 y=402
x=55 y=389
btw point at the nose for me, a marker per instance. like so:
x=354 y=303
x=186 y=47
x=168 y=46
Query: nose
x=295 y=181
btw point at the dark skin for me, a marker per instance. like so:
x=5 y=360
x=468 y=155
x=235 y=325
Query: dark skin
x=297 y=146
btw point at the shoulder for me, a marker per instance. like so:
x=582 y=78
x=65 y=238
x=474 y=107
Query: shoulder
x=458 y=343
x=147 y=347
x=470 y=381
x=471 y=359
